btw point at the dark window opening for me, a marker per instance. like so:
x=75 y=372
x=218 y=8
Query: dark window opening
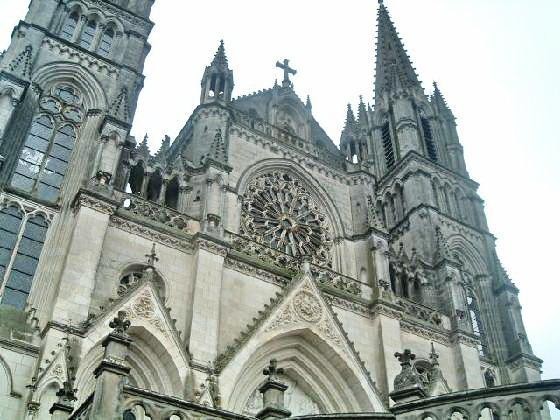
x=172 y=194
x=154 y=186
x=136 y=178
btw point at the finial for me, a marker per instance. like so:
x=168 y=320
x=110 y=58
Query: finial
x=287 y=71
x=405 y=357
x=120 y=324
x=272 y=371
x=152 y=256
x=434 y=356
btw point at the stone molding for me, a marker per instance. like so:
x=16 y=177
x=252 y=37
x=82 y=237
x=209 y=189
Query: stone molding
x=152 y=235
x=253 y=271
x=86 y=60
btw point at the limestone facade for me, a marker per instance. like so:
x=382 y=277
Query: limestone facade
x=159 y=285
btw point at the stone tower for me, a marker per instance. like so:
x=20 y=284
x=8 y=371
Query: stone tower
x=359 y=279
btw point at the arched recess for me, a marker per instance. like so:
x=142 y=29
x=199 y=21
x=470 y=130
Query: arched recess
x=472 y=259
x=63 y=71
x=326 y=374
x=6 y=389
x=310 y=184
x=153 y=366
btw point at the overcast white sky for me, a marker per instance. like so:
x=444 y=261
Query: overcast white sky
x=496 y=61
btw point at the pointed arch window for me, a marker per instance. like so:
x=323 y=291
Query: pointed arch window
x=388 y=145
x=88 y=33
x=69 y=26
x=477 y=326
x=106 y=42
x=21 y=241
x=47 y=148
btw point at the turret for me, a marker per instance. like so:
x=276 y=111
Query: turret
x=217 y=82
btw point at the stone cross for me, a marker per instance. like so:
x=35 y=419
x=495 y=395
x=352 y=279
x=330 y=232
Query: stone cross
x=273 y=370
x=120 y=324
x=287 y=71
x=406 y=357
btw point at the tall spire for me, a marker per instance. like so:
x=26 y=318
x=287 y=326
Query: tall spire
x=394 y=69
x=439 y=102
x=220 y=58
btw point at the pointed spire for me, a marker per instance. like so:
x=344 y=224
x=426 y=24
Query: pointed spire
x=21 y=64
x=308 y=103
x=143 y=148
x=350 y=118
x=362 y=112
x=394 y=69
x=162 y=152
x=220 y=58
x=439 y=102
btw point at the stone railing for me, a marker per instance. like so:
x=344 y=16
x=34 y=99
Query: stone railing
x=526 y=401
x=421 y=313
x=155 y=212
x=288 y=138
x=162 y=407
x=324 y=275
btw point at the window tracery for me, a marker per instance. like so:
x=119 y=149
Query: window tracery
x=44 y=158
x=478 y=328
x=279 y=213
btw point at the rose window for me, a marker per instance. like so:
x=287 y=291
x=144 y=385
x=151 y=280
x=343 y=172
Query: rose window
x=278 y=212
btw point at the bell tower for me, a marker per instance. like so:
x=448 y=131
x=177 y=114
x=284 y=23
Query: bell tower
x=217 y=82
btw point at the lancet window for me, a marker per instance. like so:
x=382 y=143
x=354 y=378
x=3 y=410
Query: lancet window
x=94 y=34
x=44 y=158
x=21 y=241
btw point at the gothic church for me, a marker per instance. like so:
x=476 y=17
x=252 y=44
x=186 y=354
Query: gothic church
x=250 y=268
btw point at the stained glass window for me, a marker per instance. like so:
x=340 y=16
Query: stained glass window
x=21 y=242
x=46 y=152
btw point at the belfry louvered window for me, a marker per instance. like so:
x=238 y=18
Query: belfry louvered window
x=429 y=139
x=46 y=152
x=69 y=26
x=21 y=241
x=106 y=42
x=88 y=33
x=388 y=145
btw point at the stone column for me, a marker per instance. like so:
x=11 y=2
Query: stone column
x=273 y=394
x=111 y=372
x=203 y=343
x=84 y=251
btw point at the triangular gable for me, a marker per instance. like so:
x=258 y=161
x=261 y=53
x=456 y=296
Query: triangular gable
x=143 y=307
x=301 y=307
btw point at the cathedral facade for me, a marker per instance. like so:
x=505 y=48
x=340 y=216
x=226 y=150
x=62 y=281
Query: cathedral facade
x=250 y=268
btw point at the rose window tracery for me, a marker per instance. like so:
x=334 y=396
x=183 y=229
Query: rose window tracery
x=279 y=213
